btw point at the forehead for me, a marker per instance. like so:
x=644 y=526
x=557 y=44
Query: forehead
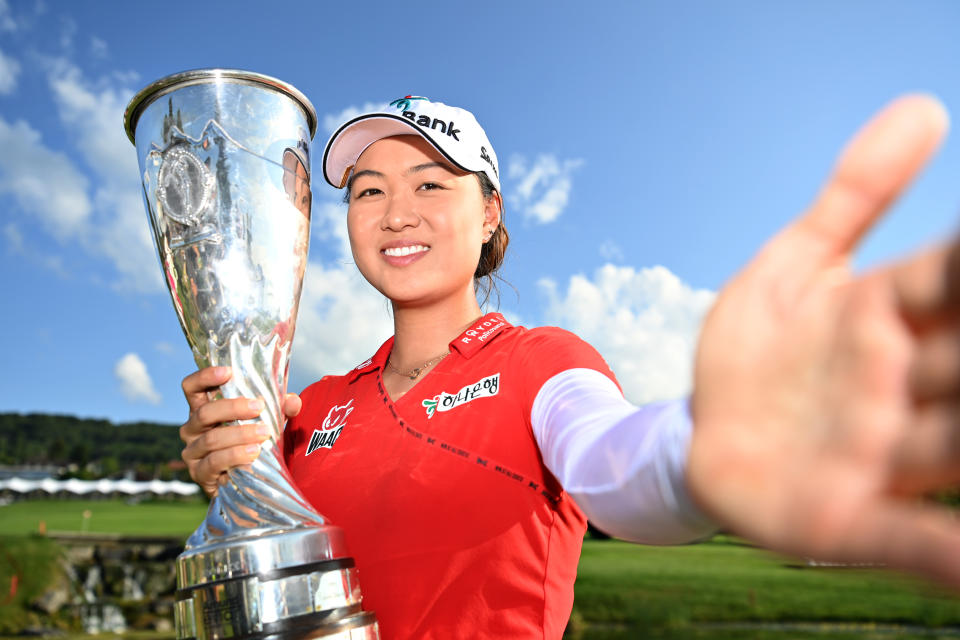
x=400 y=151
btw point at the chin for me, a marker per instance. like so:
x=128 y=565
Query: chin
x=419 y=296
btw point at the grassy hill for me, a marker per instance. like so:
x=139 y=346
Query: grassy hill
x=55 y=439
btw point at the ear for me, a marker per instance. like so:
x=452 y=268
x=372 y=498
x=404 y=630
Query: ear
x=492 y=210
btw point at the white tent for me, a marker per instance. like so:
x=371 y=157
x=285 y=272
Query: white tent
x=104 y=487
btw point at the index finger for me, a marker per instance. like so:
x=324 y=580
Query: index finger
x=874 y=168
x=197 y=384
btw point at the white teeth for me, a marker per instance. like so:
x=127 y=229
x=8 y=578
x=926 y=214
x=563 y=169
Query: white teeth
x=398 y=252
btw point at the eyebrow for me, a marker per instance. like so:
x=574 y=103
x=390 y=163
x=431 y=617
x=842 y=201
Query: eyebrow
x=429 y=165
x=414 y=169
x=358 y=174
x=365 y=172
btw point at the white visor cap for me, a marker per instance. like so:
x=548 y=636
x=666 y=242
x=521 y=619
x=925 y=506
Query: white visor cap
x=454 y=132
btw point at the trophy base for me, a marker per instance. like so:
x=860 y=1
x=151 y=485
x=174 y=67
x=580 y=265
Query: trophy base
x=361 y=625
x=291 y=585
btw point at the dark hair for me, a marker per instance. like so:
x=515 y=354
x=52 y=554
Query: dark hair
x=493 y=250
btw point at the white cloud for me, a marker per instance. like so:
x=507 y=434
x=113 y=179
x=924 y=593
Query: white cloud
x=9 y=71
x=92 y=111
x=644 y=322
x=93 y=114
x=332 y=121
x=17 y=245
x=342 y=321
x=543 y=188
x=44 y=182
x=329 y=225
x=125 y=239
x=7 y=23
x=98 y=47
x=106 y=220
x=135 y=382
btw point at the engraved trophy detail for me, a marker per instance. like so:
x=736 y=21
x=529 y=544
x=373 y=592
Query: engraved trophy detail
x=224 y=159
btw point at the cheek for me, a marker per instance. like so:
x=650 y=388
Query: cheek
x=469 y=220
x=469 y=234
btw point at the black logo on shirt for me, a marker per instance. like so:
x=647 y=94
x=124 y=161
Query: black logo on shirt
x=486 y=388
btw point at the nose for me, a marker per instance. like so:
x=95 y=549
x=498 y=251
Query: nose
x=400 y=213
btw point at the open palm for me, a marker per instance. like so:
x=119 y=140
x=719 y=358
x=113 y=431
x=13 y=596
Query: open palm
x=825 y=402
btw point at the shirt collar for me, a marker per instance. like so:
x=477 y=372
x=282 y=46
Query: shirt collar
x=467 y=344
x=479 y=334
x=378 y=361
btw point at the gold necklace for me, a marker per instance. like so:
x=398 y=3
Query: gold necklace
x=414 y=373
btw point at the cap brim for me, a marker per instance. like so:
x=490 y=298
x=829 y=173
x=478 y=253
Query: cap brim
x=300 y=155
x=351 y=140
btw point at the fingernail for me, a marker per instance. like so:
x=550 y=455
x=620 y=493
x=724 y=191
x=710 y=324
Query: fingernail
x=263 y=430
x=256 y=405
x=253 y=449
x=221 y=371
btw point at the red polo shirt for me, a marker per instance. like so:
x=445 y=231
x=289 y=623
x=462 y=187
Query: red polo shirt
x=457 y=528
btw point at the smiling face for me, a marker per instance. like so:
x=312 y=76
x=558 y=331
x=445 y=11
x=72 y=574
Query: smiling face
x=416 y=222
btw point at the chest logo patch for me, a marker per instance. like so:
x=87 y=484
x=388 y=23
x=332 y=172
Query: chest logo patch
x=486 y=388
x=329 y=431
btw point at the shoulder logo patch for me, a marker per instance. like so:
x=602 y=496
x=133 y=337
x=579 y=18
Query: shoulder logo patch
x=329 y=431
x=486 y=388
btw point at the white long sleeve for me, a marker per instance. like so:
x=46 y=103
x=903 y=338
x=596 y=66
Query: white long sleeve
x=623 y=465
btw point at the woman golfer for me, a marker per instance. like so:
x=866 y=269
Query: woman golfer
x=464 y=457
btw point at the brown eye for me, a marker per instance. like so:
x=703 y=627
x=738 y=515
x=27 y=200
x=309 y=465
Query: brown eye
x=372 y=191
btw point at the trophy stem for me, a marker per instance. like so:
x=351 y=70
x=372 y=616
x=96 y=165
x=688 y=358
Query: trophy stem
x=256 y=501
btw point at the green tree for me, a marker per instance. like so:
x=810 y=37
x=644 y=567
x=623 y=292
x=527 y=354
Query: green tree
x=57 y=452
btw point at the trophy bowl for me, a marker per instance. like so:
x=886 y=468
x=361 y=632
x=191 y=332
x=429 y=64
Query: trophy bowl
x=224 y=158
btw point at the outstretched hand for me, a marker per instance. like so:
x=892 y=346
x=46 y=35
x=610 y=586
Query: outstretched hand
x=824 y=403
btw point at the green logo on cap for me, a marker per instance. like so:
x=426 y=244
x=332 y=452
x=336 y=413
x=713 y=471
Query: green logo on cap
x=404 y=103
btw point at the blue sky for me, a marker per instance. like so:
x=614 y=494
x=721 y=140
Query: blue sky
x=648 y=150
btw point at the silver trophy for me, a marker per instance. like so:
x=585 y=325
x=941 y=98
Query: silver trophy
x=225 y=163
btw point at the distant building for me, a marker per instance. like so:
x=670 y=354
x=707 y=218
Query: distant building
x=29 y=471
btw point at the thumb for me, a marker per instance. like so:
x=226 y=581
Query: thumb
x=292 y=405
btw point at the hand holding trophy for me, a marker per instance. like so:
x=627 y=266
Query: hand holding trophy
x=224 y=159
